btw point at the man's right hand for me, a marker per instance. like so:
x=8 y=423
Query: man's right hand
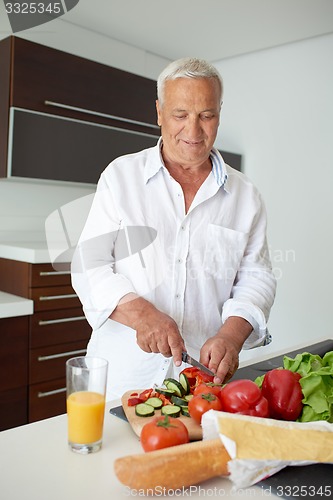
x=155 y=331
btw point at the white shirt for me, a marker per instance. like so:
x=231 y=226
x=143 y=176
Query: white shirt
x=199 y=267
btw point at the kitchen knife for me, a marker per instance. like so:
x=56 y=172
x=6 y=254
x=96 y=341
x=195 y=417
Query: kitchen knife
x=186 y=358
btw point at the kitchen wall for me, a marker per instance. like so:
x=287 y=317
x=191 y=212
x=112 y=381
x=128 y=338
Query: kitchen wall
x=24 y=205
x=277 y=112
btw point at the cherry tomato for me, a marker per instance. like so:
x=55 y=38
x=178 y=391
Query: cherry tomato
x=201 y=403
x=206 y=388
x=196 y=377
x=162 y=432
x=245 y=397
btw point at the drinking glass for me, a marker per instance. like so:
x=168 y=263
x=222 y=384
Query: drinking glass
x=86 y=378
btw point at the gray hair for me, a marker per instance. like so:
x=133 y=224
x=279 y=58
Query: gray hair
x=187 y=67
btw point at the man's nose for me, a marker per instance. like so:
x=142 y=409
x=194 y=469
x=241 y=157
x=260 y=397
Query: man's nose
x=193 y=127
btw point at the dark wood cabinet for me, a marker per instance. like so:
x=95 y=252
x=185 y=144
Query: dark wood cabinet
x=66 y=117
x=39 y=84
x=14 y=345
x=36 y=347
x=41 y=74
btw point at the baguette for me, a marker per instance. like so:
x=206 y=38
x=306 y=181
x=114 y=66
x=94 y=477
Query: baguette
x=174 y=467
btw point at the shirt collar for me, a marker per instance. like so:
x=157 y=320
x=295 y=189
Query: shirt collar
x=155 y=163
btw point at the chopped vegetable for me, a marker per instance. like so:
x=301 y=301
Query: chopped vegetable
x=155 y=402
x=195 y=377
x=144 y=395
x=185 y=383
x=176 y=400
x=185 y=412
x=171 y=410
x=175 y=386
x=283 y=392
x=164 y=391
x=144 y=410
x=244 y=396
x=133 y=401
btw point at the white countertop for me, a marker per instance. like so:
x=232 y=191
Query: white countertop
x=35 y=463
x=35 y=252
x=12 y=306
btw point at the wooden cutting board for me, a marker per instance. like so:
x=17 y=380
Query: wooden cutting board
x=136 y=422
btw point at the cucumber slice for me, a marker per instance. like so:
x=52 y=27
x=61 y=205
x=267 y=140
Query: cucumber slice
x=175 y=386
x=144 y=410
x=179 y=401
x=188 y=397
x=184 y=410
x=171 y=410
x=155 y=402
x=166 y=392
x=185 y=383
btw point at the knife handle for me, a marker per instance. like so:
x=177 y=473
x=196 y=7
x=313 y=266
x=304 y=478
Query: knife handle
x=174 y=467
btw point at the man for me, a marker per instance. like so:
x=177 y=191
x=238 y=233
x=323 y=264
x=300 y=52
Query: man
x=174 y=256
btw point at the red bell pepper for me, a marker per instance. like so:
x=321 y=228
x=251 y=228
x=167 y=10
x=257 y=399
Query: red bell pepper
x=283 y=391
x=196 y=377
x=136 y=398
x=244 y=397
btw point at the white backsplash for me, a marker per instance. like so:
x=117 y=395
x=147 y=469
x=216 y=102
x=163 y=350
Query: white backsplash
x=26 y=204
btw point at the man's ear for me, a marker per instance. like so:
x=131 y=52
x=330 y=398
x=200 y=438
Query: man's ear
x=158 y=110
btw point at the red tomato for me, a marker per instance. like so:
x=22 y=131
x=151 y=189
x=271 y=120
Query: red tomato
x=245 y=397
x=162 y=432
x=201 y=403
x=196 y=377
x=206 y=388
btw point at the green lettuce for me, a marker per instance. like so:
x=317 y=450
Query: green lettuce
x=316 y=383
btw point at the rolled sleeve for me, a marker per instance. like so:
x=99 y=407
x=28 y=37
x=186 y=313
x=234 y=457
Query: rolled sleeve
x=254 y=315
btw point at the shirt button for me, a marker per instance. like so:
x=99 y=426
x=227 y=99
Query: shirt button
x=178 y=296
x=179 y=261
x=183 y=228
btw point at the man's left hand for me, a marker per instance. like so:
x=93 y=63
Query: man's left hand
x=221 y=352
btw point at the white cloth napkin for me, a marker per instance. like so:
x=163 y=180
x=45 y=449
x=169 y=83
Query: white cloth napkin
x=260 y=447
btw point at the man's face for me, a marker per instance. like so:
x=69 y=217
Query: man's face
x=189 y=119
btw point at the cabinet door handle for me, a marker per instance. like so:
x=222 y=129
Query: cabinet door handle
x=53 y=273
x=60 y=320
x=57 y=297
x=97 y=113
x=61 y=355
x=51 y=393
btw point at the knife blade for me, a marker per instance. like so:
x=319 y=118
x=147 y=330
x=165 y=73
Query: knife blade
x=191 y=361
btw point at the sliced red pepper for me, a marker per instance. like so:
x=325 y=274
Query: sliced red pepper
x=134 y=401
x=165 y=399
x=144 y=395
x=283 y=391
x=196 y=377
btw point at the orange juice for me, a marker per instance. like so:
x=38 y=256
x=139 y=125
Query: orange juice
x=85 y=411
